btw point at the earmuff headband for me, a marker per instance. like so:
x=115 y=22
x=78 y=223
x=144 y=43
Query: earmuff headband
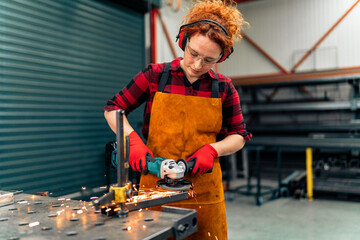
x=204 y=21
x=182 y=38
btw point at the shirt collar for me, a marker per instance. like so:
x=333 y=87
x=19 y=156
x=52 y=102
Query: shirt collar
x=175 y=64
x=212 y=74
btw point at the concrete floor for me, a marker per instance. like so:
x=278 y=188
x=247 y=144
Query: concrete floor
x=292 y=219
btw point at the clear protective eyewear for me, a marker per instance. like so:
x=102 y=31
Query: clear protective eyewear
x=205 y=60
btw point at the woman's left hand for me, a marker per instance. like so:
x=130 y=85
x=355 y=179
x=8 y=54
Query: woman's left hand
x=204 y=159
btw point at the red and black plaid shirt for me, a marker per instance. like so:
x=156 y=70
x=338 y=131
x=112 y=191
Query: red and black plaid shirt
x=145 y=84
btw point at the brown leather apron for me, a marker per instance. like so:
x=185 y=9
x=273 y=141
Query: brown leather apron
x=179 y=126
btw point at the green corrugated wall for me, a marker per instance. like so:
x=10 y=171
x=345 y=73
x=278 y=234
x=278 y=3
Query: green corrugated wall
x=60 y=61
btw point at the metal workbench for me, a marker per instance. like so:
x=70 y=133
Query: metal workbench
x=38 y=217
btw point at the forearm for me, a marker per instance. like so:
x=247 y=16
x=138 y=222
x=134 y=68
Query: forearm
x=110 y=117
x=229 y=145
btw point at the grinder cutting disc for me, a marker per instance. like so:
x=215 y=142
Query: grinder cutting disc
x=174 y=184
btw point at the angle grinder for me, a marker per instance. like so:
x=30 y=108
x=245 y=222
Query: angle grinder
x=171 y=172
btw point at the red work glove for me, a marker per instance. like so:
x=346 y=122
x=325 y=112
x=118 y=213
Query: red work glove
x=138 y=151
x=204 y=159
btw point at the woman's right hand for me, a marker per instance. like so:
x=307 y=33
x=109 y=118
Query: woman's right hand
x=138 y=151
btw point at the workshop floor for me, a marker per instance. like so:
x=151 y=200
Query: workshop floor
x=292 y=219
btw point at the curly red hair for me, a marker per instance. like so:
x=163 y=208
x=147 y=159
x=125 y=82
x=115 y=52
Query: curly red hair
x=223 y=12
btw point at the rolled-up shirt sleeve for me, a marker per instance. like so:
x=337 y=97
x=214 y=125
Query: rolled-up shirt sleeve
x=233 y=119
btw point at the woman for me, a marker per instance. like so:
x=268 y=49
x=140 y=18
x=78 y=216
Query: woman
x=191 y=112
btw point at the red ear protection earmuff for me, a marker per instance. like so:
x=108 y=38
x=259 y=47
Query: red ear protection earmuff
x=182 y=38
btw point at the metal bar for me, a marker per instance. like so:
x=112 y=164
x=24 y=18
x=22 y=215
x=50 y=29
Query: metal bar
x=289 y=178
x=348 y=68
x=356 y=94
x=271 y=80
x=283 y=70
x=127 y=154
x=121 y=177
x=346 y=128
x=245 y=162
x=6 y=199
x=279 y=167
x=131 y=206
x=233 y=167
x=303 y=142
x=342 y=186
x=309 y=174
x=247 y=169
x=324 y=106
x=273 y=93
x=120 y=156
x=104 y=200
x=228 y=174
x=323 y=37
x=258 y=173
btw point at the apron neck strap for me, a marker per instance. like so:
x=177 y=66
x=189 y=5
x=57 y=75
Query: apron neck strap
x=164 y=77
x=215 y=86
x=166 y=73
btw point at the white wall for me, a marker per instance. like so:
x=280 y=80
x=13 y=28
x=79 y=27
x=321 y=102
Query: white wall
x=172 y=21
x=285 y=29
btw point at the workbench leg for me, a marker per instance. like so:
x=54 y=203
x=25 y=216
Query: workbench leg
x=279 y=171
x=228 y=167
x=259 y=199
x=247 y=170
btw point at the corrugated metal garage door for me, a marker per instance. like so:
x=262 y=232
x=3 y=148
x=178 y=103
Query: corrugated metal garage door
x=60 y=61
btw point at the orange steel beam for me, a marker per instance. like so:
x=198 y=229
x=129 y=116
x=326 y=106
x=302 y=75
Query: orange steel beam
x=349 y=68
x=167 y=35
x=295 y=77
x=322 y=38
x=264 y=53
